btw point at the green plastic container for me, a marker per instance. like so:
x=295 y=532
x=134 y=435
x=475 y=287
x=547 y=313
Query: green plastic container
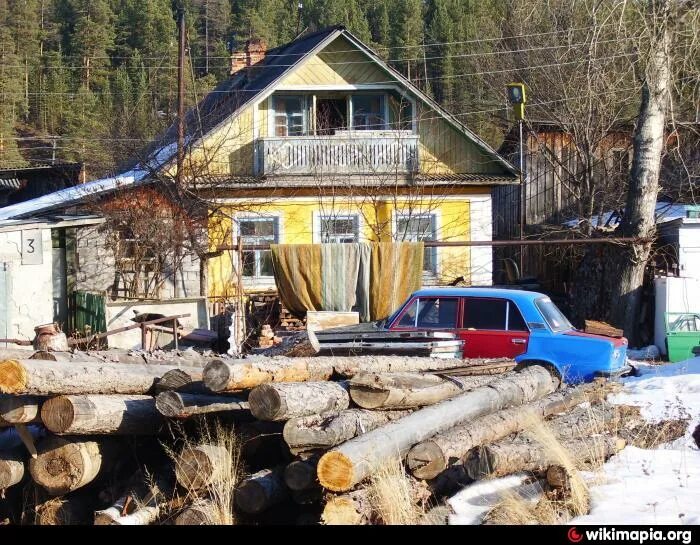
x=682 y=335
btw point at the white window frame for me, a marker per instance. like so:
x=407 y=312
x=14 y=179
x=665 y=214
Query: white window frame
x=236 y=232
x=437 y=223
x=334 y=215
x=272 y=117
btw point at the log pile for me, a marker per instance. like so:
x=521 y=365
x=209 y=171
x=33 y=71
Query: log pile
x=303 y=436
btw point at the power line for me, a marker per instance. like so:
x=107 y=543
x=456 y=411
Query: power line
x=367 y=61
x=434 y=78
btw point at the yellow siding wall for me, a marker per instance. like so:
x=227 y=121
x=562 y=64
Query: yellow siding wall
x=337 y=64
x=296 y=217
x=444 y=150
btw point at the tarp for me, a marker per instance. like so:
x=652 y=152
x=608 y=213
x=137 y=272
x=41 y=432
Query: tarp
x=372 y=279
x=396 y=272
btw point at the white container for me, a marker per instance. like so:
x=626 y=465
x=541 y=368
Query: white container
x=673 y=294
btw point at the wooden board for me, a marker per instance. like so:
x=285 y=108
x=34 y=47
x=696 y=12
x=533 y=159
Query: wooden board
x=318 y=320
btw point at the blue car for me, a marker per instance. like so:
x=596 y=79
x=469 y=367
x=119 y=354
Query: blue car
x=523 y=325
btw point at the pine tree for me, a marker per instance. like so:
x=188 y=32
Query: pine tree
x=440 y=32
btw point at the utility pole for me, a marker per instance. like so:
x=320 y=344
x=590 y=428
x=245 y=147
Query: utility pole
x=180 y=95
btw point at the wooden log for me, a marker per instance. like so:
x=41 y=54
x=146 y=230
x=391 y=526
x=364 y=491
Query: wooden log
x=182 y=405
x=199 y=466
x=301 y=473
x=300 y=345
x=558 y=476
x=102 y=415
x=67 y=511
x=408 y=390
x=285 y=400
x=429 y=458
x=328 y=429
x=202 y=512
x=105 y=517
x=221 y=376
x=346 y=465
x=63 y=465
x=181 y=381
x=11 y=468
x=38 y=377
x=506 y=457
x=261 y=491
x=20 y=409
x=16 y=353
x=352 y=509
x=187 y=358
x=143 y=516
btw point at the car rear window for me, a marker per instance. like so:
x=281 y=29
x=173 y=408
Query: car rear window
x=552 y=315
x=431 y=313
x=484 y=314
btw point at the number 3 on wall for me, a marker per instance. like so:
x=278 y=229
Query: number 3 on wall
x=32 y=249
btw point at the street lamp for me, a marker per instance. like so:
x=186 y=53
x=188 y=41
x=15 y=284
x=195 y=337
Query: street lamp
x=516 y=97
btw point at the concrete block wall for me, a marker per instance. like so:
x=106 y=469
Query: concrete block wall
x=95 y=267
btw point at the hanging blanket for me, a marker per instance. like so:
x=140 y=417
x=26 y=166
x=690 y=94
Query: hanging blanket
x=397 y=271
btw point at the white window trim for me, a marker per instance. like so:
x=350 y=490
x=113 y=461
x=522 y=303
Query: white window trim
x=247 y=280
x=333 y=214
x=438 y=226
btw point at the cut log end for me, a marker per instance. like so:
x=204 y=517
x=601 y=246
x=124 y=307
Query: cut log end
x=62 y=465
x=11 y=472
x=170 y=404
x=216 y=376
x=251 y=498
x=426 y=460
x=335 y=472
x=369 y=398
x=13 y=377
x=58 y=414
x=265 y=402
x=300 y=475
x=195 y=466
x=341 y=511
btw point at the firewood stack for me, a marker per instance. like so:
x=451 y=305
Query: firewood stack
x=123 y=442
x=267 y=337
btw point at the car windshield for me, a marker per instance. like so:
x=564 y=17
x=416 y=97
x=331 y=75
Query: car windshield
x=554 y=317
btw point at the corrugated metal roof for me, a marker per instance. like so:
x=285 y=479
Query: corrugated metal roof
x=422 y=180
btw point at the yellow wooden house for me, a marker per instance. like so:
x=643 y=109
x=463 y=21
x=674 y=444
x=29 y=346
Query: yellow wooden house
x=321 y=141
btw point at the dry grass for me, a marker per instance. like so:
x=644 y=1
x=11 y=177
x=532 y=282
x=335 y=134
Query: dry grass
x=640 y=433
x=220 y=491
x=392 y=495
x=517 y=508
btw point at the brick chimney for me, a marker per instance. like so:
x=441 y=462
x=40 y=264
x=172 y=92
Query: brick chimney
x=253 y=52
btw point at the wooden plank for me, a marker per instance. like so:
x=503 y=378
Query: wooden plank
x=320 y=320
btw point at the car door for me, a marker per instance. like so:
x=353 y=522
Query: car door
x=492 y=328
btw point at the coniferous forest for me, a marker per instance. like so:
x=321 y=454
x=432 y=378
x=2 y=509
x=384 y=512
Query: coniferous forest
x=94 y=80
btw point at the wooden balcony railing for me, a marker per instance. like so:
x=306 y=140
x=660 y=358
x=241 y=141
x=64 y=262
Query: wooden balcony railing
x=360 y=152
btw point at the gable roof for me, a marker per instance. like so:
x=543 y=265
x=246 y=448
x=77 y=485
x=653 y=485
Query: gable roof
x=227 y=100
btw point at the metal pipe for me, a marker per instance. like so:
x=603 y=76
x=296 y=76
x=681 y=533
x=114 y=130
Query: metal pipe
x=465 y=243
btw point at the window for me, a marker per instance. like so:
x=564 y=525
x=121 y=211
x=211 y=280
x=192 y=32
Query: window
x=258 y=231
x=484 y=314
x=416 y=228
x=431 y=313
x=290 y=115
x=339 y=229
x=553 y=316
x=492 y=314
x=515 y=319
x=368 y=112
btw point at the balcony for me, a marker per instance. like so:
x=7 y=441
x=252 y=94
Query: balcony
x=358 y=152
